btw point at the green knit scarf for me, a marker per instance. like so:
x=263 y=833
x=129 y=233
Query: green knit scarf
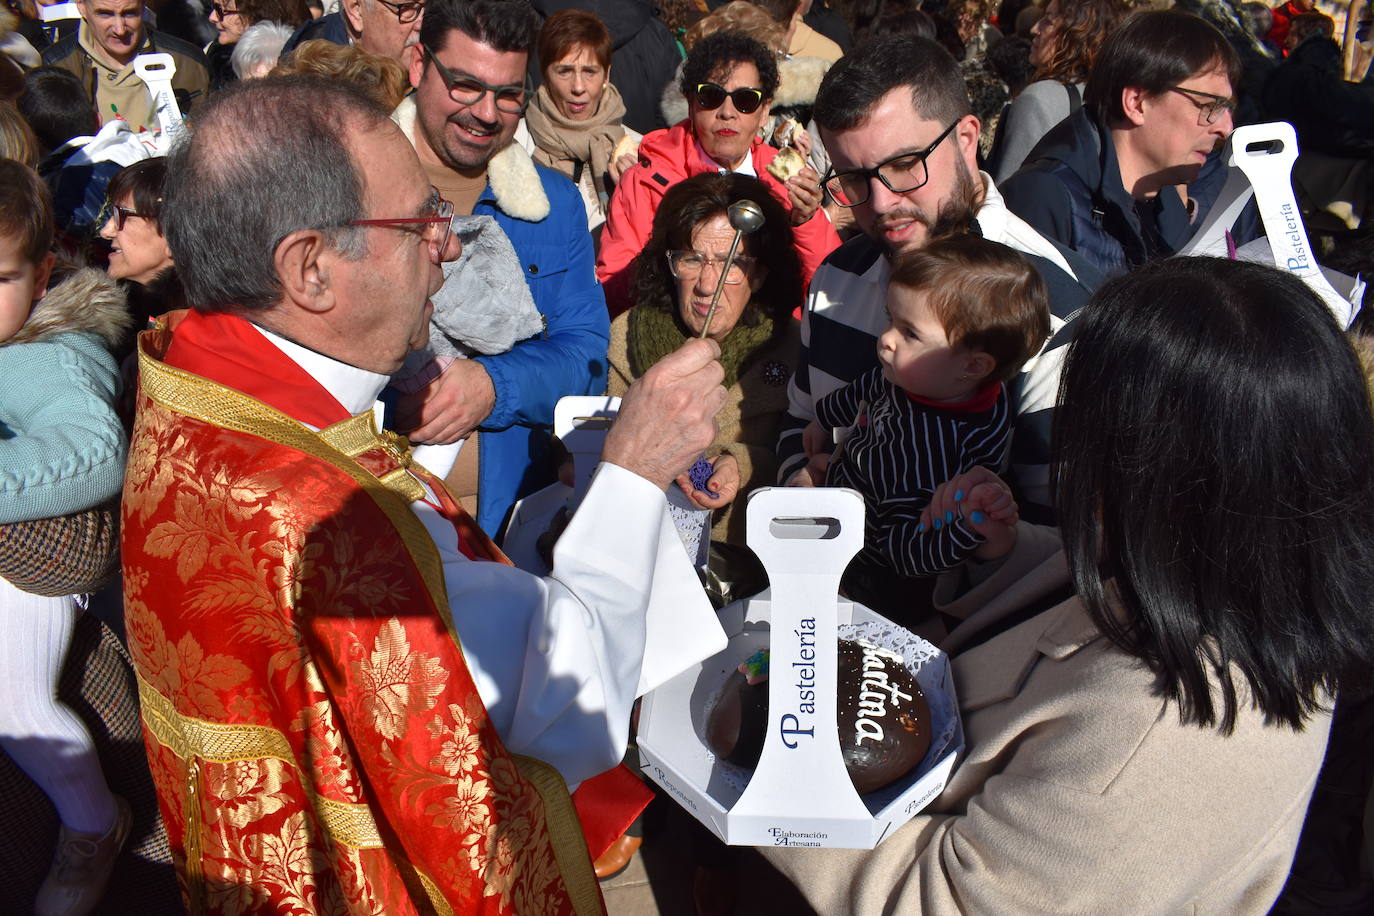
x=652 y=335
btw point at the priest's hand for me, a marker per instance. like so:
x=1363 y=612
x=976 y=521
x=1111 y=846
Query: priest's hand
x=450 y=408
x=667 y=418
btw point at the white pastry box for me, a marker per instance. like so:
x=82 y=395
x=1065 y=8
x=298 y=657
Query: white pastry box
x=800 y=793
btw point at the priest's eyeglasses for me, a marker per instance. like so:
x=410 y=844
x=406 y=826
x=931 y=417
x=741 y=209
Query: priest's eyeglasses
x=1209 y=106
x=900 y=174
x=469 y=90
x=434 y=229
x=688 y=265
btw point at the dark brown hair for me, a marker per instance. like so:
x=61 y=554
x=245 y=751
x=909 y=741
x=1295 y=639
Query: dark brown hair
x=25 y=209
x=143 y=182
x=690 y=203
x=986 y=296
x=567 y=30
x=1081 y=29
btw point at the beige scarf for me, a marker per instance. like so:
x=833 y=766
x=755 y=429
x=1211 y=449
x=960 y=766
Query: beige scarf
x=570 y=146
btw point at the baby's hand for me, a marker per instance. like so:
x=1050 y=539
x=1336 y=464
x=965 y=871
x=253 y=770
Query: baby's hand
x=721 y=488
x=984 y=502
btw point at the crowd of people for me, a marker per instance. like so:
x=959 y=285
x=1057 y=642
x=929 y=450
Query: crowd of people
x=280 y=352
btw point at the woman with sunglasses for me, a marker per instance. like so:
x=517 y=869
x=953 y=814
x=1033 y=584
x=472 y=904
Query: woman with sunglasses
x=139 y=253
x=231 y=18
x=729 y=80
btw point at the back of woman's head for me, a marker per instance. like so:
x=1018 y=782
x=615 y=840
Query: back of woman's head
x=17 y=140
x=696 y=200
x=1213 y=454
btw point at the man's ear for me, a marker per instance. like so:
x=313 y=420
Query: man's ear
x=41 y=275
x=966 y=136
x=1133 y=103
x=303 y=260
x=352 y=11
x=979 y=364
x=415 y=64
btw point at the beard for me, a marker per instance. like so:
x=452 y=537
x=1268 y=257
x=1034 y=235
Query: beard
x=954 y=216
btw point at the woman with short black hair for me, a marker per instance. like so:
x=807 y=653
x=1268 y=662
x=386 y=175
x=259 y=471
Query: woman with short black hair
x=1146 y=710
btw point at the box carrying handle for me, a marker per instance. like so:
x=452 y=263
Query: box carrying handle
x=156 y=71
x=581 y=422
x=805 y=538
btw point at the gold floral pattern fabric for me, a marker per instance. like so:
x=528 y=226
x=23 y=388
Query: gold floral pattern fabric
x=317 y=742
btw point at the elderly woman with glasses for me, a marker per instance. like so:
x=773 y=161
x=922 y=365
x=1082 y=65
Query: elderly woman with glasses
x=139 y=254
x=675 y=278
x=729 y=80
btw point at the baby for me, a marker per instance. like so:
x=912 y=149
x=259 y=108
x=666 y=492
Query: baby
x=964 y=314
x=62 y=453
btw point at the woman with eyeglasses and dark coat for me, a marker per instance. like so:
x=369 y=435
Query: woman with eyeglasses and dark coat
x=729 y=80
x=139 y=254
x=231 y=18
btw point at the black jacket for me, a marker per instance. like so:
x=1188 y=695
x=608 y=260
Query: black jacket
x=1070 y=190
x=644 y=55
x=1329 y=113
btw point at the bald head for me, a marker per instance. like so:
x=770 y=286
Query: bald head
x=263 y=159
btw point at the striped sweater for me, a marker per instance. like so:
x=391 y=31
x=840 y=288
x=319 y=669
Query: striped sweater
x=901 y=451
x=846 y=311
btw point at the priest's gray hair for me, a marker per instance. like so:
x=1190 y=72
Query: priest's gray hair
x=261 y=160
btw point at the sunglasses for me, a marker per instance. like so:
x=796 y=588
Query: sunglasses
x=223 y=12
x=710 y=97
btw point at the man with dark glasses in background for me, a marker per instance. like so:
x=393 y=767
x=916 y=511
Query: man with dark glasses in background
x=1112 y=181
x=728 y=80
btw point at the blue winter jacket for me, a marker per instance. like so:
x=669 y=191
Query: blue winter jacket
x=569 y=358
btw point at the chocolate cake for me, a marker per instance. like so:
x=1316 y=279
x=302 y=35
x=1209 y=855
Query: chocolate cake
x=883 y=718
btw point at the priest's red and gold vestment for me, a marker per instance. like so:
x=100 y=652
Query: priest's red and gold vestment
x=315 y=736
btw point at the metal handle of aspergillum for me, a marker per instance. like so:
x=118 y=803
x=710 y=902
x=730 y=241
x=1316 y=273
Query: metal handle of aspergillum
x=745 y=217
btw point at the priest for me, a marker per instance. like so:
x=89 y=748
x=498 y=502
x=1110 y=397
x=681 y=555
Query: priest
x=351 y=702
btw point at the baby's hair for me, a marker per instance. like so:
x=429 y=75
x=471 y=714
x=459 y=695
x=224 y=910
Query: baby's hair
x=25 y=209
x=986 y=296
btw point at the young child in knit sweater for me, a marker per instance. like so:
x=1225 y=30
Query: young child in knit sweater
x=964 y=314
x=62 y=454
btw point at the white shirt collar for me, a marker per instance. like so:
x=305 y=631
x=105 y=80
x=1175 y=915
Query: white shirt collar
x=998 y=224
x=356 y=389
x=745 y=168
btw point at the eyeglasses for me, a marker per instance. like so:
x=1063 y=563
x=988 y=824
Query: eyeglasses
x=688 y=265
x=122 y=214
x=405 y=12
x=223 y=12
x=1209 y=106
x=900 y=174
x=434 y=229
x=468 y=90
x=710 y=97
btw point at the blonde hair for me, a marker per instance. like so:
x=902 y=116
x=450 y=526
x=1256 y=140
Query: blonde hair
x=740 y=16
x=380 y=78
x=17 y=140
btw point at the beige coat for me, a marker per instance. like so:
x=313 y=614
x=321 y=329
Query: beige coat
x=1080 y=792
x=748 y=423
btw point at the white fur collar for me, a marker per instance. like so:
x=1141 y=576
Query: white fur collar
x=511 y=174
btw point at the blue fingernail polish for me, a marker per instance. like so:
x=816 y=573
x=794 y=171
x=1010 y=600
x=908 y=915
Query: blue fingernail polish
x=921 y=528
x=938 y=523
x=976 y=518
x=949 y=517
x=958 y=496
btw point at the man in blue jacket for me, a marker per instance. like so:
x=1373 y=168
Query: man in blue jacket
x=468 y=70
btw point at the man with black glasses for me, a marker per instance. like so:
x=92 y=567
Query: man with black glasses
x=385 y=27
x=1111 y=180
x=895 y=118
x=728 y=80
x=468 y=70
